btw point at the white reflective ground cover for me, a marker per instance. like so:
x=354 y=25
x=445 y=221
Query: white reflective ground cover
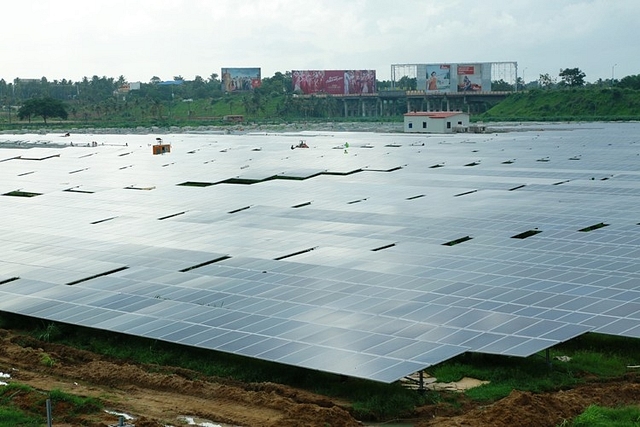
x=374 y=262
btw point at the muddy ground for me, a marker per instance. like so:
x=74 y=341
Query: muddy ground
x=158 y=397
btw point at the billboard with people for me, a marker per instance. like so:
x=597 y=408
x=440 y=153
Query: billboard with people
x=469 y=78
x=334 y=82
x=240 y=79
x=475 y=77
x=438 y=77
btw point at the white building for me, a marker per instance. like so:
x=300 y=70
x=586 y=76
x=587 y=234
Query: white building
x=436 y=122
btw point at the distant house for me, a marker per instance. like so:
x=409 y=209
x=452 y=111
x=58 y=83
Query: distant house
x=436 y=122
x=236 y=118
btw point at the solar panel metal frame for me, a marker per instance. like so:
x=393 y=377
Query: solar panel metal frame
x=339 y=267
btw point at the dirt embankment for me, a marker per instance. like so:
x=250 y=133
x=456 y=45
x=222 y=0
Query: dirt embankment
x=157 y=396
x=526 y=409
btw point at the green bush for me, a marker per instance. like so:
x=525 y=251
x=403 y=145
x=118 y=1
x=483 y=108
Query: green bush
x=50 y=332
x=597 y=416
x=81 y=405
x=11 y=417
x=597 y=363
x=381 y=407
x=568 y=105
x=47 y=360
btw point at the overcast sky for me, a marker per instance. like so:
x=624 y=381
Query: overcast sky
x=140 y=39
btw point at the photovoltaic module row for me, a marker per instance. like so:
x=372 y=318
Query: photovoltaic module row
x=367 y=262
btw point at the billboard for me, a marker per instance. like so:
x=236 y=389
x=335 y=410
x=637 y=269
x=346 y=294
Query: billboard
x=240 y=79
x=463 y=77
x=334 y=82
x=438 y=77
x=469 y=78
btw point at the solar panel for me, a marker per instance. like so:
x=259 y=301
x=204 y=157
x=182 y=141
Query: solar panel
x=350 y=263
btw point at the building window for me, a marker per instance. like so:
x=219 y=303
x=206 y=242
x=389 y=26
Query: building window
x=460 y=123
x=448 y=125
x=410 y=125
x=424 y=125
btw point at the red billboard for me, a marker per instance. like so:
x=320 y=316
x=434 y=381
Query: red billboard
x=334 y=82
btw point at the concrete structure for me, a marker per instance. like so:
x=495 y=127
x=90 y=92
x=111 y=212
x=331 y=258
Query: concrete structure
x=387 y=103
x=436 y=122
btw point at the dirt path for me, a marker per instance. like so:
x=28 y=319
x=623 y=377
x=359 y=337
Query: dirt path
x=158 y=399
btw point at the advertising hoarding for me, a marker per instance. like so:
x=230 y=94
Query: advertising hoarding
x=438 y=77
x=240 y=79
x=334 y=82
x=469 y=77
x=454 y=77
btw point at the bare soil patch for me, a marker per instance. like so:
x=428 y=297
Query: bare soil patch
x=157 y=396
x=526 y=409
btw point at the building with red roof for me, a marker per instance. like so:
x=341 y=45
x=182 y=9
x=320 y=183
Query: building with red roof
x=436 y=122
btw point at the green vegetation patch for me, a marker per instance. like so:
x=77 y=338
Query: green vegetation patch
x=604 y=356
x=12 y=417
x=504 y=375
x=585 y=104
x=597 y=416
x=77 y=404
x=21 y=405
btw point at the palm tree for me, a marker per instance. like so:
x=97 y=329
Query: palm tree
x=229 y=100
x=156 y=108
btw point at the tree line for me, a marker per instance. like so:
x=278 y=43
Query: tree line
x=96 y=89
x=100 y=97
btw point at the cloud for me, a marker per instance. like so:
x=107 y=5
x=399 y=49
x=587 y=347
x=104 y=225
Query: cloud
x=139 y=39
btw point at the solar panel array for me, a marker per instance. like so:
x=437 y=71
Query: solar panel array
x=371 y=261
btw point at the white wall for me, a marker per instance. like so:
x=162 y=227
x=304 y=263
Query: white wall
x=434 y=125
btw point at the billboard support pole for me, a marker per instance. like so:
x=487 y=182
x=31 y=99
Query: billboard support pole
x=393 y=77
